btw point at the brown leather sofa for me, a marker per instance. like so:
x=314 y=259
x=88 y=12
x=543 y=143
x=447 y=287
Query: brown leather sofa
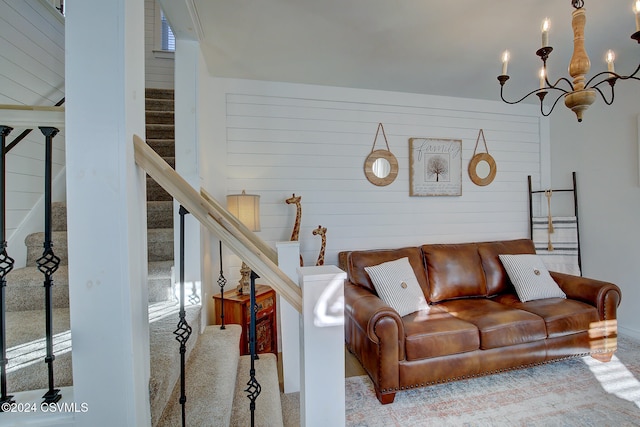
x=476 y=325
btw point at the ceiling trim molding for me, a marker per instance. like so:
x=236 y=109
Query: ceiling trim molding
x=195 y=19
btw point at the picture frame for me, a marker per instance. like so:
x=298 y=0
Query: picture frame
x=435 y=167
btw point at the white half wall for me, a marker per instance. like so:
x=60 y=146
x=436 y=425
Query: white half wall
x=603 y=150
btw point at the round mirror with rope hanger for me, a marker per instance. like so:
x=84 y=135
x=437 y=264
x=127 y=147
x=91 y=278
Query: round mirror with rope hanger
x=482 y=166
x=381 y=166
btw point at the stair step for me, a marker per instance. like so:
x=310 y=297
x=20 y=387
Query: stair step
x=268 y=411
x=165 y=353
x=26 y=345
x=210 y=376
x=157 y=93
x=58 y=216
x=35 y=246
x=159 y=117
x=160 y=244
x=164 y=147
x=155 y=192
x=25 y=290
x=160 y=131
x=159 y=104
x=160 y=214
x=159 y=240
x=160 y=281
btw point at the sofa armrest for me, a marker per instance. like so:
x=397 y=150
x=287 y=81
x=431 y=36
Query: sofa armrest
x=604 y=296
x=381 y=323
x=374 y=332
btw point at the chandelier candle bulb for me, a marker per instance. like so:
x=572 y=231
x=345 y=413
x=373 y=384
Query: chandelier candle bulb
x=610 y=57
x=542 y=78
x=505 y=62
x=545 y=32
x=636 y=9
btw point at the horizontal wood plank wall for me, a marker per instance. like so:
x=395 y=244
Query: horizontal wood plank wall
x=31 y=73
x=314 y=144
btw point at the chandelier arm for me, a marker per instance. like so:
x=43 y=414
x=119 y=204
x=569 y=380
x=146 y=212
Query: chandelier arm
x=602 y=94
x=613 y=75
x=555 y=85
x=552 y=106
x=529 y=94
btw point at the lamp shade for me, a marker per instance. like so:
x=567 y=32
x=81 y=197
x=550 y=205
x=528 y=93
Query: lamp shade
x=245 y=207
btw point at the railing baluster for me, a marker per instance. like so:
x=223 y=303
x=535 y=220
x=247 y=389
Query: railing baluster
x=253 y=390
x=221 y=282
x=183 y=330
x=6 y=265
x=48 y=263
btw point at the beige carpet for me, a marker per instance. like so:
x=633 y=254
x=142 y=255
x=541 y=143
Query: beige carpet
x=577 y=392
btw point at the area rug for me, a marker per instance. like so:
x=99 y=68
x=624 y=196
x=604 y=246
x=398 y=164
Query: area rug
x=576 y=392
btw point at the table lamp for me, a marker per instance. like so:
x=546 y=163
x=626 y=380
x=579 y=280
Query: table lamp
x=245 y=207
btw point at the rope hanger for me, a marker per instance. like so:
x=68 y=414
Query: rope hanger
x=376 y=138
x=481 y=133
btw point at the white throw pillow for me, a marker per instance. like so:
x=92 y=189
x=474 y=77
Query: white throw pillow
x=397 y=285
x=530 y=277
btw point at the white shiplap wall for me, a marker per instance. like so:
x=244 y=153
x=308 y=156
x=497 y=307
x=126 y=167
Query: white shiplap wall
x=158 y=65
x=312 y=141
x=31 y=73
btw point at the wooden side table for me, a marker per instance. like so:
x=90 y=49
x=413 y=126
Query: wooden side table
x=236 y=311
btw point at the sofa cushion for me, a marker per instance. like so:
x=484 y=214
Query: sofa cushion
x=530 y=277
x=358 y=260
x=454 y=271
x=499 y=325
x=438 y=333
x=397 y=285
x=561 y=316
x=496 y=276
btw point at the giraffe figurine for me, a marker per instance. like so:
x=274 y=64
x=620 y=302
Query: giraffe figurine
x=322 y=232
x=295 y=234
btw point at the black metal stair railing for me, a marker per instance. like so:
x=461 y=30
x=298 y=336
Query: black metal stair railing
x=6 y=265
x=183 y=330
x=222 y=282
x=47 y=264
x=26 y=132
x=253 y=386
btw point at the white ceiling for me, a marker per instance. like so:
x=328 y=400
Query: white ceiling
x=421 y=46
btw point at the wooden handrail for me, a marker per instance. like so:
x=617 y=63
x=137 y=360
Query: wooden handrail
x=15 y=107
x=220 y=222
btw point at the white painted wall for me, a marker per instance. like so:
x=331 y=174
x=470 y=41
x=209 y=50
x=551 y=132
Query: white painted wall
x=31 y=73
x=603 y=150
x=280 y=139
x=159 y=72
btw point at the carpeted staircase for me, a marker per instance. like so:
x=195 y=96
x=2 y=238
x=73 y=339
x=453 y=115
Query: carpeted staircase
x=214 y=366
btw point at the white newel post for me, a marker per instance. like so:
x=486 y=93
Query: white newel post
x=289 y=261
x=322 y=392
x=104 y=78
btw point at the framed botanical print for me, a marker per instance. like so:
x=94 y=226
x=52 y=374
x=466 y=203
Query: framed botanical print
x=435 y=167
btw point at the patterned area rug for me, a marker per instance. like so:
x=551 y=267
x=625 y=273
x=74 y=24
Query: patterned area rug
x=578 y=392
